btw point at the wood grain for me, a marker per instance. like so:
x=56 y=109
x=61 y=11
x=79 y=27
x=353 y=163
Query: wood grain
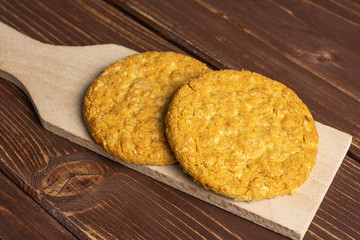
x=289 y=41
x=59 y=108
x=21 y=217
x=339 y=213
x=78 y=23
x=84 y=204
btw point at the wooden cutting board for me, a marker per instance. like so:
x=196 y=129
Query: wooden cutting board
x=56 y=78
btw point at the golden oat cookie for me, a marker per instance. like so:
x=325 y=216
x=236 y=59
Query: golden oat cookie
x=125 y=107
x=242 y=135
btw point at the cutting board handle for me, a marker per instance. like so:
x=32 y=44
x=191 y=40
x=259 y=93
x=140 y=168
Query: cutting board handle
x=55 y=78
x=15 y=49
x=13 y=39
x=21 y=57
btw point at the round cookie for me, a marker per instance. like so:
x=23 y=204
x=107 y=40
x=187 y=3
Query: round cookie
x=242 y=135
x=125 y=107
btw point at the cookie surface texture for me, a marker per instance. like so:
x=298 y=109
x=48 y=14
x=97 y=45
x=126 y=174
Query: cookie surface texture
x=125 y=107
x=242 y=135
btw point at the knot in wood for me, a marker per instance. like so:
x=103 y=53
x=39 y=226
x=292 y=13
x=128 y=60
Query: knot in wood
x=71 y=178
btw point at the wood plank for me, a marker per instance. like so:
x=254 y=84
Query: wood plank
x=81 y=187
x=311 y=47
x=21 y=217
x=26 y=58
x=76 y=23
x=339 y=213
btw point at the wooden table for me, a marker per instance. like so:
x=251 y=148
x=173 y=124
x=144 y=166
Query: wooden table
x=311 y=46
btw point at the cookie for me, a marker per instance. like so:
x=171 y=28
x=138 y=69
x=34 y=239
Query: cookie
x=242 y=135
x=125 y=107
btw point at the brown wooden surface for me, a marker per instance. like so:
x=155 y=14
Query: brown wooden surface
x=20 y=216
x=91 y=196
